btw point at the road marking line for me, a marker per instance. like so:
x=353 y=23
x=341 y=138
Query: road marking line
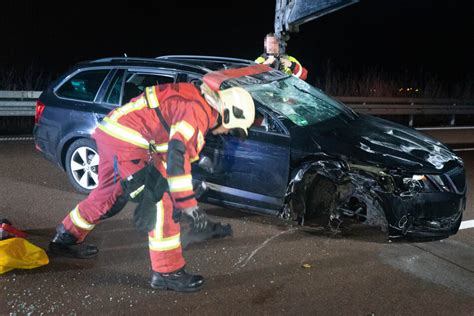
x=445 y=128
x=9 y=139
x=467 y=224
x=464 y=149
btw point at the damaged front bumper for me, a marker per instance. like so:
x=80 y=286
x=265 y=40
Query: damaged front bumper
x=426 y=206
x=429 y=215
x=404 y=206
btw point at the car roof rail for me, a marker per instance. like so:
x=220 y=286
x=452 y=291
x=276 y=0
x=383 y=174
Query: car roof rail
x=168 y=61
x=108 y=59
x=201 y=57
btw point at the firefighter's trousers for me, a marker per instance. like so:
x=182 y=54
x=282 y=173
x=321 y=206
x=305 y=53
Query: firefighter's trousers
x=107 y=200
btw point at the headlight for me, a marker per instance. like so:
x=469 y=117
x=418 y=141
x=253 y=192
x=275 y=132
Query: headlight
x=418 y=183
x=413 y=185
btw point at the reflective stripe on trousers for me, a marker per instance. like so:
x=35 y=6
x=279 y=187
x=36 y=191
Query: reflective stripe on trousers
x=164 y=241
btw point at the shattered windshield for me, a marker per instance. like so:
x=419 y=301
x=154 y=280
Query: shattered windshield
x=300 y=102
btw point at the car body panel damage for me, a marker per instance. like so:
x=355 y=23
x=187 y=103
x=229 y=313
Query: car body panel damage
x=380 y=173
x=332 y=190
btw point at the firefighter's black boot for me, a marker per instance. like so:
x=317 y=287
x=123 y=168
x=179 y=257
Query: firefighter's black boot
x=65 y=244
x=179 y=281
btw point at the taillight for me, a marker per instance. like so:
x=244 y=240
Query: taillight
x=39 y=111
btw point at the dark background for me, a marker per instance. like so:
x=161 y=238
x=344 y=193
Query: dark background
x=396 y=36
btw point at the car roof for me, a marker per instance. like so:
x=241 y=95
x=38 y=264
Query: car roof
x=190 y=63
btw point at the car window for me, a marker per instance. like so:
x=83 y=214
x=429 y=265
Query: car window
x=262 y=123
x=112 y=95
x=302 y=103
x=135 y=83
x=83 y=86
x=265 y=123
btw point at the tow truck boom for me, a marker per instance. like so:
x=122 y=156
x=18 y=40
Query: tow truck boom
x=290 y=14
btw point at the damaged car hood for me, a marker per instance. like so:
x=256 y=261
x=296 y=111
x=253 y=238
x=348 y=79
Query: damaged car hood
x=373 y=140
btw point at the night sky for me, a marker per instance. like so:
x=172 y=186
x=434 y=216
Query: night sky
x=396 y=36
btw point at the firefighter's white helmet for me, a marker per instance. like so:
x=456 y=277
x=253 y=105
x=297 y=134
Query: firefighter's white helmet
x=235 y=105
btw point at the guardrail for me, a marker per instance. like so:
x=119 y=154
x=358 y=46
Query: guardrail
x=18 y=103
x=412 y=107
x=22 y=103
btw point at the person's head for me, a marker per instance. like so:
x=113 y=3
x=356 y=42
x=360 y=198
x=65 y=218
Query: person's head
x=271 y=44
x=235 y=107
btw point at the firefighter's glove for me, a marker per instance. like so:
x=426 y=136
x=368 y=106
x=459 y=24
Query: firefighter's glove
x=198 y=217
x=270 y=60
x=285 y=62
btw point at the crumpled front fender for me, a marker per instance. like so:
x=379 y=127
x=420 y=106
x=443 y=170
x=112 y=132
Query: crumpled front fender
x=301 y=180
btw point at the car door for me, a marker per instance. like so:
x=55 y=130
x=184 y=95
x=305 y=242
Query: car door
x=251 y=173
x=126 y=84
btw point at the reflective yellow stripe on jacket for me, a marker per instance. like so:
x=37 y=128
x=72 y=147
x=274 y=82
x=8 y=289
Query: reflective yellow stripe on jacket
x=261 y=60
x=127 y=108
x=184 y=128
x=111 y=126
x=123 y=133
x=151 y=97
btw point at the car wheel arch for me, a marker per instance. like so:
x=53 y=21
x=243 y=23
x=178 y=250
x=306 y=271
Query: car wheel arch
x=308 y=178
x=64 y=145
x=343 y=193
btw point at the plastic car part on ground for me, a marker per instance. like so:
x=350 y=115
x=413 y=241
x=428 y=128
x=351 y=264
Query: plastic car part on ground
x=19 y=253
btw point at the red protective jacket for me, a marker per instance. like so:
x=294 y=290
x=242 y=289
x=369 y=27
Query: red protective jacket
x=136 y=127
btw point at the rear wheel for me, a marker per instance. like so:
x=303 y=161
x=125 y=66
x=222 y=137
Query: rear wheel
x=82 y=165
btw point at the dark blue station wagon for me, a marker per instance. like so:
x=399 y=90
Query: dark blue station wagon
x=308 y=157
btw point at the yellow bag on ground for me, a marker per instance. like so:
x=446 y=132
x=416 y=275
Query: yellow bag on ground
x=19 y=253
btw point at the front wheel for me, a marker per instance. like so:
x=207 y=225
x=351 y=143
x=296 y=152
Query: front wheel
x=320 y=201
x=82 y=165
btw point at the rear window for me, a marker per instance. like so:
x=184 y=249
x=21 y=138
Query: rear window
x=83 y=86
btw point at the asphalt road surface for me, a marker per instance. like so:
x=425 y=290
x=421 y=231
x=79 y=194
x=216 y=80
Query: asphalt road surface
x=268 y=267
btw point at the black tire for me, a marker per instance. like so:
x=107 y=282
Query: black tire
x=82 y=165
x=320 y=200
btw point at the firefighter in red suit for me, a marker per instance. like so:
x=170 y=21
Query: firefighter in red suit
x=165 y=125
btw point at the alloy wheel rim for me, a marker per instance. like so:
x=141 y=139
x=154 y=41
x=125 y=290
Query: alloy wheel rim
x=85 y=167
